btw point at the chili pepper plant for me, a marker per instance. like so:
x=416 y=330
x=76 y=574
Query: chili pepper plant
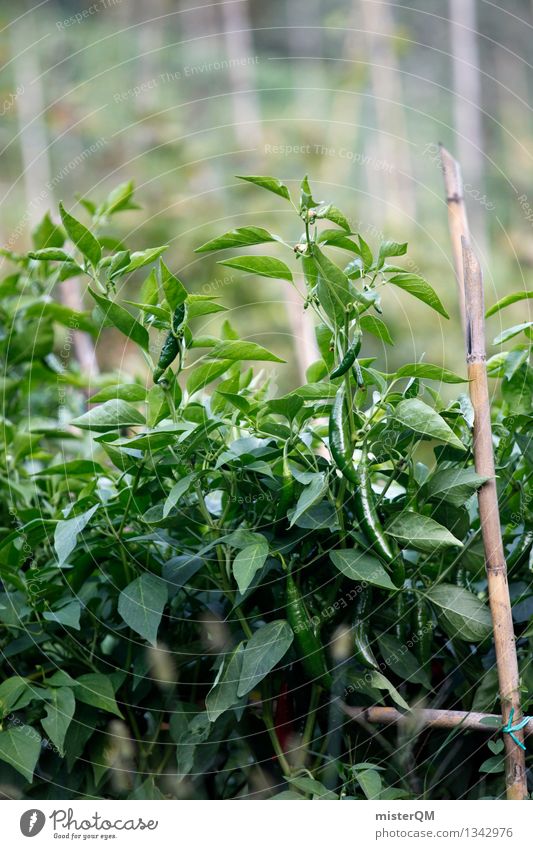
x=198 y=572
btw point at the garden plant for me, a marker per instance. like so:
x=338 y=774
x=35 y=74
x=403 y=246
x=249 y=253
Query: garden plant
x=201 y=576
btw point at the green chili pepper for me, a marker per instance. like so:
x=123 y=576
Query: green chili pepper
x=367 y=513
x=339 y=439
x=287 y=486
x=423 y=629
x=172 y=345
x=349 y=358
x=308 y=644
x=401 y=624
x=362 y=648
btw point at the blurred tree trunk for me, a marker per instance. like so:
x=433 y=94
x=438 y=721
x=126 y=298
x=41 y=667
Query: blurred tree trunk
x=467 y=106
x=36 y=173
x=241 y=57
x=393 y=176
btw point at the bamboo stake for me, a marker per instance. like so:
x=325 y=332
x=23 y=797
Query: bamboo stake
x=457 y=220
x=429 y=718
x=500 y=604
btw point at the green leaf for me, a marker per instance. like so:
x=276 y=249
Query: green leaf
x=332 y=213
x=122 y=391
x=262 y=652
x=289 y=406
x=381 y=683
x=68 y=615
x=67 y=532
x=402 y=662
x=122 y=320
x=97 y=690
x=492 y=766
x=141 y=258
x=333 y=286
x=205 y=373
x=370 y=782
x=248 y=562
x=377 y=327
x=20 y=747
x=269 y=183
x=72 y=468
x=419 y=288
x=223 y=694
x=388 y=249
x=312 y=787
x=50 y=255
x=417 y=416
x=109 y=416
x=360 y=566
x=81 y=236
x=175 y=291
x=47 y=234
x=59 y=712
x=10 y=692
x=265 y=266
x=141 y=605
x=178 y=490
x=242 y=237
x=309 y=496
x=454 y=485
x=238 y=350
x=511 y=332
x=507 y=301
x=430 y=372
x=467 y=617
x=421 y=532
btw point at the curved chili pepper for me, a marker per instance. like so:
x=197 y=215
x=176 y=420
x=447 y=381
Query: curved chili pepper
x=401 y=624
x=339 y=440
x=423 y=629
x=287 y=486
x=362 y=648
x=172 y=344
x=366 y=512
x=283 y=718
x=308 y=644
x=349 y=358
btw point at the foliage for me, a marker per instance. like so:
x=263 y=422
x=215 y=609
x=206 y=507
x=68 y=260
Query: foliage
x=178 y=551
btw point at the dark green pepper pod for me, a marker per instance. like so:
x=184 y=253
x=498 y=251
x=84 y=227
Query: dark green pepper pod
x=172 y=344
x=349 y=358
x=361 y=627
x=339 y=439
x=309 y=647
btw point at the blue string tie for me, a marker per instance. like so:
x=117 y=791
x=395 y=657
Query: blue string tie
x=510 y=728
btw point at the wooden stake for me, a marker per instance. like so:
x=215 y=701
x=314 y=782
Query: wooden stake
x=457 y=220
x=430 y=718
x=500 y=604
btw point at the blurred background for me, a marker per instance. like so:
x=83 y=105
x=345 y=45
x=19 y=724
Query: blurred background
x=181 y=96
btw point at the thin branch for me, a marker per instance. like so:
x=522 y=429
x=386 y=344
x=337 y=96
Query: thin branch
x=428 y=718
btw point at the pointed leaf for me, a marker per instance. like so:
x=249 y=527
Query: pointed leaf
x=467 y=616
x=20 y=747
x=122 y=320
x=265 y=266
x=112 y=415
x=67 y=531
x=419 y=288
x=247 y=562
x=141 y=605
x=59 y=712
x=223 y=694
x=81 y=236
x=360 y=566
x=414 y=414
x=262 y=652
x=421 y=532
x=269 y=183
x=242 y=237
